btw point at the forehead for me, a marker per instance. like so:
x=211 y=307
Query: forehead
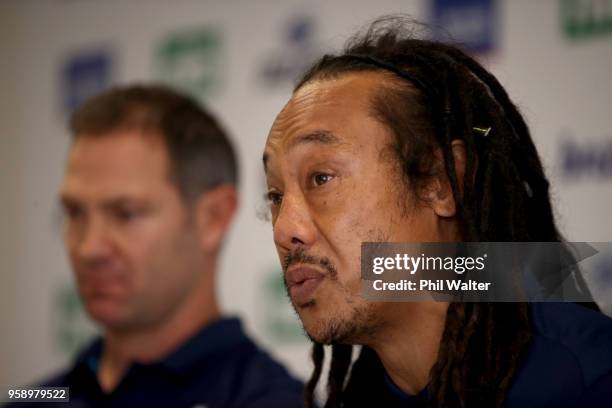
x=128 y=162
x=331 y=111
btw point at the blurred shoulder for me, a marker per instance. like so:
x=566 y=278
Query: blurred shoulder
x=582 y=332
x=264 y=382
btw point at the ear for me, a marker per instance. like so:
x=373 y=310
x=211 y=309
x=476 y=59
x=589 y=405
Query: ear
x=439 y=191
x=214 y=213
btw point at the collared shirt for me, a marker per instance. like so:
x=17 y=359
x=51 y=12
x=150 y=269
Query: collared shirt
x=569 y=364
x=218 y=367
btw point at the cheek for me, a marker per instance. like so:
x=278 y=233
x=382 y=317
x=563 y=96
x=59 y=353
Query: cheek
x=344 y=234
x=356 y=212
x=171 y=257
x=144 y=255
x=136 y=258
x=359 y=214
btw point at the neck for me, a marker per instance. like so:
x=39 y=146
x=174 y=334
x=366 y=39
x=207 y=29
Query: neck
x=408 y=347
x=149 y=344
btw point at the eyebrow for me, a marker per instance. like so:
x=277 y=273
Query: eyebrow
x=67 y=199
x=318 y=136
x=112 y=202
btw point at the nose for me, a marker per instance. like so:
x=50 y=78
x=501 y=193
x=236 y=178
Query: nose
x=294 y=227
x=93 y=242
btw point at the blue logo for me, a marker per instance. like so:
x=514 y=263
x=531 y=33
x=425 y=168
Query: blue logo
x=586 y=159
x=84 y=75
x=297 y=53
x=472 y=23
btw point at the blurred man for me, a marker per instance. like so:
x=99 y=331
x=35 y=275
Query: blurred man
x=403 y=140
x=149 y=194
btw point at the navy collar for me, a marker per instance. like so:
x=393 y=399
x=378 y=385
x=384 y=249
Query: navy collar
x=403 y=397
x=216 y=337
x=219 y=336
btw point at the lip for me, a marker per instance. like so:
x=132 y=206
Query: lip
x=302 y=282
x=100 y=282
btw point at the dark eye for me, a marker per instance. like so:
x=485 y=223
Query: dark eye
x=274 y=198
x=321 y=178
x=126 y=215
x=72 y=212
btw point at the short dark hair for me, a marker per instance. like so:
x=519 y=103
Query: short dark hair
x=200 y=152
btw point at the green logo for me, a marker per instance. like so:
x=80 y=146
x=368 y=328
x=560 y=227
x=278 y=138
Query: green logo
x=586 y=18
x=73 y=326
x=280 y=321
x=191 y=61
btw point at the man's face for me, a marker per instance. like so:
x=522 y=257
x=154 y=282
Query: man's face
x=128 y=234
x=334 y=182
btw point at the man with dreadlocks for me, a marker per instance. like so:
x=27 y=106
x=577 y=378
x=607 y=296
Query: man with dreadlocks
x=406 y=140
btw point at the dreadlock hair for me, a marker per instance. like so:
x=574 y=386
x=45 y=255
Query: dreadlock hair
x=438 y=94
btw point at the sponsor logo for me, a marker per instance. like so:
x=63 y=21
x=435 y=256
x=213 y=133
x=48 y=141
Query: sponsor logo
x=296 y=54
x=85 y=74
x=190 y=60
x=73 y=328
x=280 y=323
x=591 y=159
x=472 y=23
x=586 y=18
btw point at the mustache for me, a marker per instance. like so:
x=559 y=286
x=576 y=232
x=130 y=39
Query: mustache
x=300 y=256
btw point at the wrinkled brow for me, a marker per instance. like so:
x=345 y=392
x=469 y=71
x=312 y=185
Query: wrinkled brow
x=318 y=136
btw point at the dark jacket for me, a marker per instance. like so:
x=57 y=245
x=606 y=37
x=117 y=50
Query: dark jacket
x=568 y=364
x=220 y=367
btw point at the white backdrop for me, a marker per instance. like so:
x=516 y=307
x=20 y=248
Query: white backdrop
x=240 y=57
